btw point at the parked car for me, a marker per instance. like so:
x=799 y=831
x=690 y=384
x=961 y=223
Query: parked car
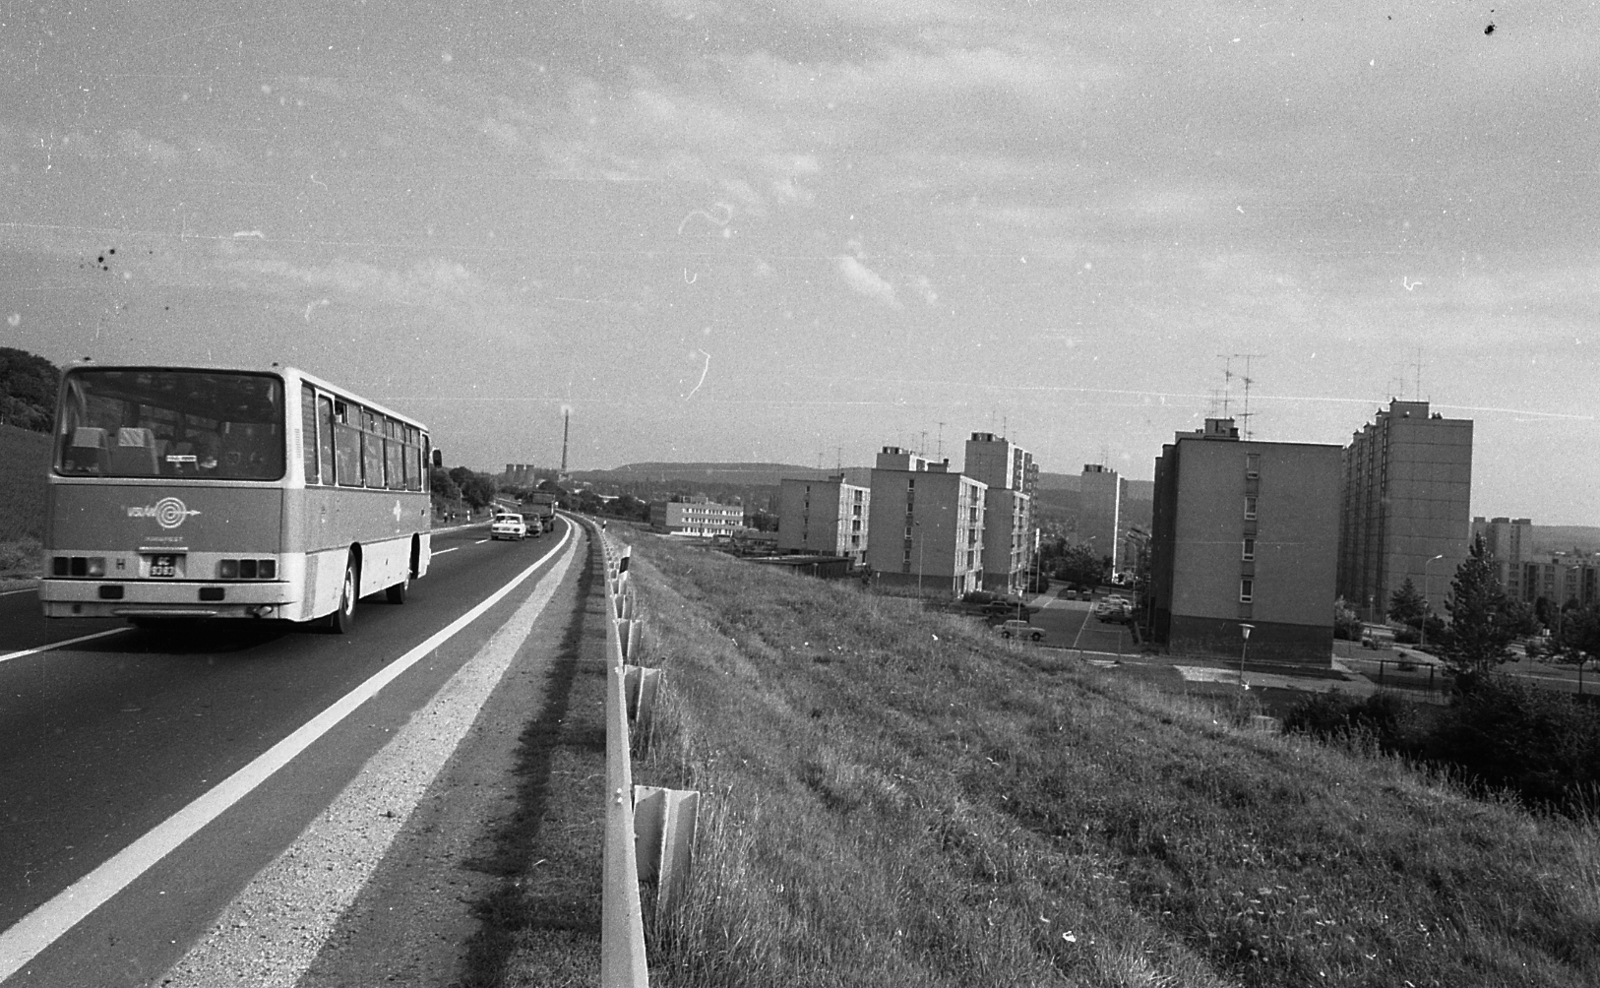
x=1021 y=629
x=508 y=527
x=1113 y=611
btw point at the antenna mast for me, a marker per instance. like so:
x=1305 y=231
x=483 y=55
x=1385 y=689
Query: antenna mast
x=566 y=426
x=1228 y=376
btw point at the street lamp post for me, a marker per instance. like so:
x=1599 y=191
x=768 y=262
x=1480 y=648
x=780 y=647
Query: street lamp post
x=1427 y=603
x=1244 y=650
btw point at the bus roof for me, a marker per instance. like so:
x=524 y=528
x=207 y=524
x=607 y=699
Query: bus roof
x=289 y=374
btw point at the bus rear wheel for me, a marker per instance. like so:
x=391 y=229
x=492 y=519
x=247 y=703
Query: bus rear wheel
x=343 y=618
x=396 y=593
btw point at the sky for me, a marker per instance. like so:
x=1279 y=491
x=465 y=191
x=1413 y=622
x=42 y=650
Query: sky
x=801 y=230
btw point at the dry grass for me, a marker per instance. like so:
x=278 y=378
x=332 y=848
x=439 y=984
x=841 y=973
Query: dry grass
x=899 y=799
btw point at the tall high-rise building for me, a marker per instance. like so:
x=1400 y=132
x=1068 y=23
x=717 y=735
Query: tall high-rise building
x=1010 y=475
x=1509 y=543
x=1243 y=538
x=1100 y=496
x=824 y=516
x=1404 y=506
x=926 y=523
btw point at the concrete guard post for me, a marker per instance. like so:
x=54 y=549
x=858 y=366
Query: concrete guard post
x=622 y=953
x=664 y=822
x=642 y=686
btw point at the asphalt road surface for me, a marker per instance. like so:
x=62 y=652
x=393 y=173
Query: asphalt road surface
x=147 y=777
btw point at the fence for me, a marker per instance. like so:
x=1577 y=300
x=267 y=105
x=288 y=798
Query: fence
x=649 y=831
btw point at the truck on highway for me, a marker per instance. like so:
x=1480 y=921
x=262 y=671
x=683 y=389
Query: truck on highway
x=539 y=510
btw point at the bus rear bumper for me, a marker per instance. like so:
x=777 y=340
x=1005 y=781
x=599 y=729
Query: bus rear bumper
x=134 y=599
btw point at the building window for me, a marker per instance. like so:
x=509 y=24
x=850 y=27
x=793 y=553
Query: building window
x=1249 y=549
x=1250 y=507
x=1252 y=464
x=1247 y=590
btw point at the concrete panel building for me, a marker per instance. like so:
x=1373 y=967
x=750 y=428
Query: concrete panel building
x=926 y=523
x=1509 y=543
x=700 y=517
x=1244 y=532
x=827 y=517
x=1404 y=506
x=1009 y=473
x=1100 y=496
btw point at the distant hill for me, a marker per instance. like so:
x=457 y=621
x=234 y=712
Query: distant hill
x=736 y=474
x=1138 y=490
x=1564 y=538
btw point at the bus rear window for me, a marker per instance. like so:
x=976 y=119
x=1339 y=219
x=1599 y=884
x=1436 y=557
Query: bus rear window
x=214 y=425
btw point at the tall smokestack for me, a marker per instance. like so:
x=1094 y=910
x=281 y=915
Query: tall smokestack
x=566 y=424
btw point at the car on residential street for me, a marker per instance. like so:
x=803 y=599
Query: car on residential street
x=508 y=526
x=1021 y=629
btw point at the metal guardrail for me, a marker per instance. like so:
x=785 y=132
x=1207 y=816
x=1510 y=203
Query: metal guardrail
x=661 y=822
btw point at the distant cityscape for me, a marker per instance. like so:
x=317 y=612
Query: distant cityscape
x=1237 y=534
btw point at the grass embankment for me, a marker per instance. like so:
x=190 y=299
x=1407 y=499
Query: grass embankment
x=900 y=799
x=26 y=456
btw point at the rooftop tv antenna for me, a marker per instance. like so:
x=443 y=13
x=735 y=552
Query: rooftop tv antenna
x=1228 y=375
x=940 y=454
x=1416 y=395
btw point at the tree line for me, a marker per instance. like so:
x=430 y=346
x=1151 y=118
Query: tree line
x=27 y=390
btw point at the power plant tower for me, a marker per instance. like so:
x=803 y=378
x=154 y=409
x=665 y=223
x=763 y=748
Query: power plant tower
x=566 y=424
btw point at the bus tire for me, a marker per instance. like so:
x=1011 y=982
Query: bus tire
x=343 y=618
x=396 y=593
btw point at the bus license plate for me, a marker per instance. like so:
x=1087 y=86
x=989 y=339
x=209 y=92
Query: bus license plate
x=163 y=566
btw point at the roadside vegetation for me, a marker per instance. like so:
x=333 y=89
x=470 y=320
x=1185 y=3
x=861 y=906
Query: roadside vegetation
x=21 y=500
x=898 y=798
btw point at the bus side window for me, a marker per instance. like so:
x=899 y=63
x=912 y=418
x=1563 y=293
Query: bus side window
x=325 y=438
x=308 y=434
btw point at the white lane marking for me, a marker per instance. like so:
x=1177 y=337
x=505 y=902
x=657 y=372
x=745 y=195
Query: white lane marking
x=333 y=858
x=42 y=927
x=63 y=644
x=480 y=542
x=8 y=593
x=440 y=552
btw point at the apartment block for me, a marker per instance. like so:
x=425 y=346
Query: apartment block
x=1244 y=533
x=828 y=517
x=698 y=516
x=1009 y=473
x=927 y=525
x=1101 y=494
x=1562 y=579
x=1404 y=506
x=1509 y=543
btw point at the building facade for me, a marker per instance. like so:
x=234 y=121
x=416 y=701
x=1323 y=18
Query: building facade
x=1509 y=543
x=1561 y=579
x=827 y=517
x=1244 y=533
x=1010 y=475
x=699 y=517
x=926 y=523
x=1404 y=506
x=1100 y=496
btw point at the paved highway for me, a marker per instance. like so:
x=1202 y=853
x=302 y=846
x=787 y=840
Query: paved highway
x=126 y=824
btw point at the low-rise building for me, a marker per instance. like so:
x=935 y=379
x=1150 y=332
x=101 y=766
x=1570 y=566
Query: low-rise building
x=696 y=516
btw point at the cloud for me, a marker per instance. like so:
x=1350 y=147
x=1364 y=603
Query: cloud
x=435 y=283
x=866 y=281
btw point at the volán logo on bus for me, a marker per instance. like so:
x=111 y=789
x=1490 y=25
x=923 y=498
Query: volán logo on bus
x=169 y=512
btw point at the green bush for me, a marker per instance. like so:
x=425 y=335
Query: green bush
x=1383 y=716
x=1511 y=734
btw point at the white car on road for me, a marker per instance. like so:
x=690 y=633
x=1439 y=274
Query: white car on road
x=508 y=526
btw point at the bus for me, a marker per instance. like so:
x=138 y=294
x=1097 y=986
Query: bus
x=182 y=493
